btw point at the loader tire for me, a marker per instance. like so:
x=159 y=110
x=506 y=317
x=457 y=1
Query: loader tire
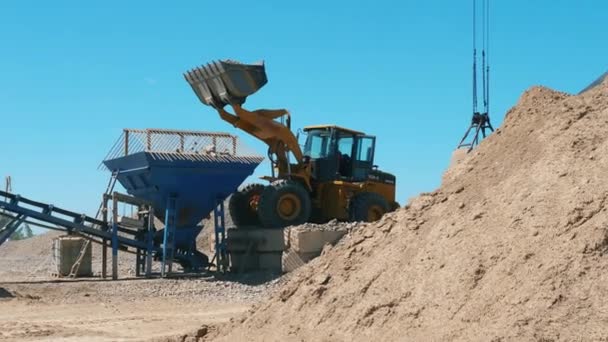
x=368 y=207
x=284 y=203
x=394 y=206
x=243 y=205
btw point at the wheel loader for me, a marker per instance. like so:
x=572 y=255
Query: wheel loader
x=332 y=177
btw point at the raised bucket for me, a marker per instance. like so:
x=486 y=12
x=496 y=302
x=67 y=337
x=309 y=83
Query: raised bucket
x=224 y=82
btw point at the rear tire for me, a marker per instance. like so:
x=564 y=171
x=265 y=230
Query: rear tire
x=243 y=205
x=284 y=203
x=368 y=207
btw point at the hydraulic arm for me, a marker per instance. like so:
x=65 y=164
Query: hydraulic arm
x=223 y=83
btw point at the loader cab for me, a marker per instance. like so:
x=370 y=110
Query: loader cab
x=338 y=153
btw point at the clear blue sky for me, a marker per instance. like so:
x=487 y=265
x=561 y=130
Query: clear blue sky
x=72 y=75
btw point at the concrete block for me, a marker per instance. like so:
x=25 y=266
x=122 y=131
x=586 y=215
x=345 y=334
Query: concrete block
x=240 y=262
x=266 y=261
x=313 y=241
x=271 y=261
x=292 y=260
x=267 y=240
x=66 y=250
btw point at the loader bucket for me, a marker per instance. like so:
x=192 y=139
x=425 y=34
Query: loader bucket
x=224 y=82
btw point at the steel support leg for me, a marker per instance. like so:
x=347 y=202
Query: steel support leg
x=169 y=236
x=6 y=224
x=220 y=237
x=114 y=250
x=149 y=243
x=104 y=258
x=10 y=228
x=138 y=262
x=114 y=236
x=104 y=242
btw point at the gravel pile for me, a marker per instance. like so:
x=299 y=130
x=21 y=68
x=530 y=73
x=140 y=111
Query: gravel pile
x=28 y=259
x=204 y=290
x=32 y=259
x=333 y=225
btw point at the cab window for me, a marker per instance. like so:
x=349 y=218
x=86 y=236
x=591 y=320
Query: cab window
x=365 y=150
x=345 y=151
x=317 y=145
x=345 y=145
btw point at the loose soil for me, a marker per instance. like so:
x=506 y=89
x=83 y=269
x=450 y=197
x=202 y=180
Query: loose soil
x=512 y=247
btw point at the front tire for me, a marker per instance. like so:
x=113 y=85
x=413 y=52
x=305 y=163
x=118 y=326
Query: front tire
x=368 y=207
x=394 y=206
x=243 y=205
x=284 y=203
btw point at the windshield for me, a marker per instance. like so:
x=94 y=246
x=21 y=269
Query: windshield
x=317 y=144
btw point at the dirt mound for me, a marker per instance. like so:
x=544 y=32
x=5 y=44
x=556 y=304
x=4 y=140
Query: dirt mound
x=29 y=258
x=36 y=246
x=511 y=247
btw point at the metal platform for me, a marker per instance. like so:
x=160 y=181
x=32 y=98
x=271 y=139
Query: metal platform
x=197 y=168
x=186 y=176
x=595 y=83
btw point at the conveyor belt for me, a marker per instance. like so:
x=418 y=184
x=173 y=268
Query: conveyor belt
x=20 y=209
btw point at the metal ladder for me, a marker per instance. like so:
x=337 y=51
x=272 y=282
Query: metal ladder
x=83 y=250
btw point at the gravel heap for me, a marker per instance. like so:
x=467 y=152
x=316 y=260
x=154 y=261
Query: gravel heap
x=26 y=267
x=28 y=259
x=333 y=225
x=32 y=258
x=513 y=246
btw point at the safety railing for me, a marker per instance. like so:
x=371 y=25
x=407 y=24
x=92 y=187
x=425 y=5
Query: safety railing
x=179 y=143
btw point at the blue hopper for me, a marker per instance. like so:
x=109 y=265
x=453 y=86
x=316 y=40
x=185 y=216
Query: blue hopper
x=197 y=168
x=193 y=170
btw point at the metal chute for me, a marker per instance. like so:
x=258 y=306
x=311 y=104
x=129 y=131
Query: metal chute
x=595 y=83
x=224 y=82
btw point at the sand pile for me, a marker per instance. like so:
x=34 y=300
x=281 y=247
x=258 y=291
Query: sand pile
x=513 y=246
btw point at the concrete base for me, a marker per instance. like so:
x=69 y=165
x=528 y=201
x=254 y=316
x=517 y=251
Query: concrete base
x=256 y=261
x=277 y=250
x=312 y=241
x=66 y=250
x=240 y=262
x=265 y=240
x=271 y=261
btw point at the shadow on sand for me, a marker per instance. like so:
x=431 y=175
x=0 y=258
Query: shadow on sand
x=5 y=294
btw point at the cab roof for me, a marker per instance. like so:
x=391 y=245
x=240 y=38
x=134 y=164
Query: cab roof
x=338 y=128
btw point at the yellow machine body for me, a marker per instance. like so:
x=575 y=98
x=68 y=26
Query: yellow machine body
x=333 y=177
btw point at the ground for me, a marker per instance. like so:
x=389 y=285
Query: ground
x=93 y=319
x=34 y=306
